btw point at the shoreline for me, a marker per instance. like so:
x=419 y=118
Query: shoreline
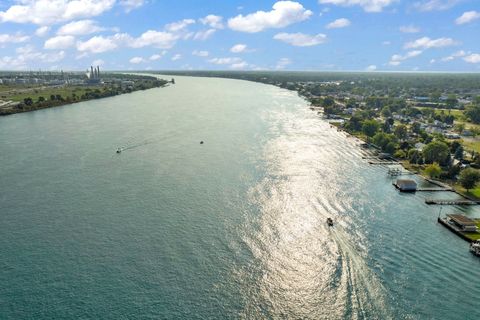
x=107 y=92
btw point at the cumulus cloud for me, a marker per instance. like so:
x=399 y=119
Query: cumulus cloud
x=371 y=67
x=409 y=29
x=46 y=12
x=339 y=23
x=155 y=57
x=59 y=42
x=13 y=38
x=367 y=5
x=284 y=13
x=204 y=34
x=435 y=5
x=28 y=54
x=176 y=57
x=99 y=44
x=239 y=48
x=97 y=62
x=137 y=60
x=472 y=58
x=179 y=26
x=158 y=39
x=396 y=59
x=426 y=43
x=80 y=27
x=200 y=53
x=454 y=55
x=283 y=63
x=239 y=66
x=130 y=5
x=42 y=31
x=467 y=17
x=212 y=21
x=231 y=60
x=301 y=39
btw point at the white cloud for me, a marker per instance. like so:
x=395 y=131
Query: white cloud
x=130 y=5
x=339 y=23
x=80 y=27
x=367 y=5
x=46 y=12
x=225 y=60
x=42 y=31
x=204 y=34
x=371 y=68
x=426 y=43
x=137 y=60
x=200 y=53
x=301 y=39
x=282 y=63
x=179 y=26
x=176 y=57
x=98 y=62
x=396 y=59
x=59 y=42
x=239 y=66
x=386 y=43
x=15 y=38
x=158 y=39
x=98 y=44
x=435 y=5
x=284 y=13
x=239 y=48
x=454 y=55
x=467 y=17
x=28 y=54
x=155 y=57
x=409 y=29
x=212 y=21
x=473 y=58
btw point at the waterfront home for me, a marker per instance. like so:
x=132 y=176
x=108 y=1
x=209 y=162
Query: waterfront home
x=462 y=222
x=406 y=185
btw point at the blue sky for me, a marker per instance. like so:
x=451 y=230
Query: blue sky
x=373 y=35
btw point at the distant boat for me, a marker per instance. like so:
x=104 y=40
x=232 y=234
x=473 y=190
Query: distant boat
x=119 y=150
x=201 y=142
x=475 y=248
x=330 y=222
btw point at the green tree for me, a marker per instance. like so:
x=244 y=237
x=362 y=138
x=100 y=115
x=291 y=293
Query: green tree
x=473 y=113
x=437 y=151
x=459 y=153
x=469 y=178
x=370 y=127
x=451 y=102
x=401 y=132
x=433 y=170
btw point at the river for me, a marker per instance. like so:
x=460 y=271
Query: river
x=233 y=228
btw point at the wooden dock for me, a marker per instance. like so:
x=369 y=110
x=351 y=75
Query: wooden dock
x=382 y=162
x=434 y=189
x=444 y=222
x=452 y=202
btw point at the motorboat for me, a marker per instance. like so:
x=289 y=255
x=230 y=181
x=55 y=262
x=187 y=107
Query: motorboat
x=475 y=248
x=330 y=222
x=119 y=150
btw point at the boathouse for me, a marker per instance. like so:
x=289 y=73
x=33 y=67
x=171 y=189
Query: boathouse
x=462 y=222
x=406 y=185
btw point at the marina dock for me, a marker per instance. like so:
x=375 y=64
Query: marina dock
x=460 y=202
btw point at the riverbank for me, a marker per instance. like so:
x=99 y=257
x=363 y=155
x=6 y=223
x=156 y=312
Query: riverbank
x=19 y=99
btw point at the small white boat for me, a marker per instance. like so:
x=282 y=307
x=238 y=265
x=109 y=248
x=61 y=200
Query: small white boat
x=475 y=248
x=119 y=150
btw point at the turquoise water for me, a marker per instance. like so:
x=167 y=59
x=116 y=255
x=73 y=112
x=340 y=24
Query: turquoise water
x=233 y=228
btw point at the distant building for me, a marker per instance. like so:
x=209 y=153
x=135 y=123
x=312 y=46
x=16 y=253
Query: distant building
x=93 y=75
x=406 y=185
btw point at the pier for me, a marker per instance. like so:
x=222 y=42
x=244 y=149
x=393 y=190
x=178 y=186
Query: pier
x=459 y=202
x=456 y=223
